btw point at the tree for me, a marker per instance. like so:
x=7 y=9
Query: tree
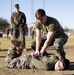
x=3 y=25
x=66 y=29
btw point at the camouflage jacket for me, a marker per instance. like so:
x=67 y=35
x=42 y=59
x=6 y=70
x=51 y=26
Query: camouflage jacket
x=27 y=61
x=18 y=19
x=14 y=60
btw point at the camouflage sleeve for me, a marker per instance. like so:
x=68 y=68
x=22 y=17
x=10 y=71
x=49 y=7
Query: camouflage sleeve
x=9 y=57
x=25 y=61
x=15 y=63
x=12 y=61
x=11 y=54
x=12 y=21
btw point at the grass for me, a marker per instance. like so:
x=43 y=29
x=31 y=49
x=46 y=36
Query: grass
x=5 y=43
x=70 y=40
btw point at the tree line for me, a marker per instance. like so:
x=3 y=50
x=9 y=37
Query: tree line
x=5 y=25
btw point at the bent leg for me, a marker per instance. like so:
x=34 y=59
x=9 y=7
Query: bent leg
x=33 y=44
x=22 y=36
x=58 y=45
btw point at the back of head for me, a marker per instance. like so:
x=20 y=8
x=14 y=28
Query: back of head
x=66 y=63
x=40 y=13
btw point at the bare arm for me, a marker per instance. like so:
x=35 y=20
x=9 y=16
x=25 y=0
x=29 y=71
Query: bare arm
x=38 y=40
x=48 y=41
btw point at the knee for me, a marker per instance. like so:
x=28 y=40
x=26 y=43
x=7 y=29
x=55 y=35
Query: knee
x=33 y=44
x=57 y=46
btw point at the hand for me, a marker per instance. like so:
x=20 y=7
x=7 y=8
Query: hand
x=37 y=53
x=41 y=53
x=32 y=54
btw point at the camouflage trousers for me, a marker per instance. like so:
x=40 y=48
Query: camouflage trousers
x=57 y=43
x=19 y=32
x=15 y=60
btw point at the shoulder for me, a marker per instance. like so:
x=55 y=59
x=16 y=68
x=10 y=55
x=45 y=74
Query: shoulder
x=38 y=25
x=22 y=13
x=13 y=13
x=52 y=20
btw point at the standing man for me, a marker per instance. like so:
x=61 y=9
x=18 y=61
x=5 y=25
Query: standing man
x=55 y=34
x=18 y=22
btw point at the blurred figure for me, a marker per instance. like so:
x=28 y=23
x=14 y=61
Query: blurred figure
x=7 y=32
x=33 y=32
x=18 y=22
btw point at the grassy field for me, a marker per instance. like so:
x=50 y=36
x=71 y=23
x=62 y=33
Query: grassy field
x=5 y=44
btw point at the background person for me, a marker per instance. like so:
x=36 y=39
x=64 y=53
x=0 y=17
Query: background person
x=55 y=34
x=18 y=22
x=33 y=32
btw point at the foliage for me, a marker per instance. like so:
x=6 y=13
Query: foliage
x=3 y=25
x=66 y=29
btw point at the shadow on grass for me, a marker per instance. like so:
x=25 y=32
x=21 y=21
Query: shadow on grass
x=2 y=56
x=3 y=50
x=65 y=47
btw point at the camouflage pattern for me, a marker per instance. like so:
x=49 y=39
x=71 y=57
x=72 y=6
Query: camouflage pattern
x=45 y=62
x=15 y=60
x=18 y=19
x=57 y=43
x=18 y=22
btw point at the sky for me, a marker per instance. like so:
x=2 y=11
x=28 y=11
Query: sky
x=62 y=10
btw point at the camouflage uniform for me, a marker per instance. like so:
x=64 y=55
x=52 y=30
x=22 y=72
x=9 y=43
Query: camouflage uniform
x=15 y=60
x=27 y=61
x=59 y=39
x=18 y=22
x=46 y=62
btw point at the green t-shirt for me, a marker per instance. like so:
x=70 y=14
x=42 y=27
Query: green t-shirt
x=51 y=25
x=45 y=62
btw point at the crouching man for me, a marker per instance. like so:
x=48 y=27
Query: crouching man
x=31 y=61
